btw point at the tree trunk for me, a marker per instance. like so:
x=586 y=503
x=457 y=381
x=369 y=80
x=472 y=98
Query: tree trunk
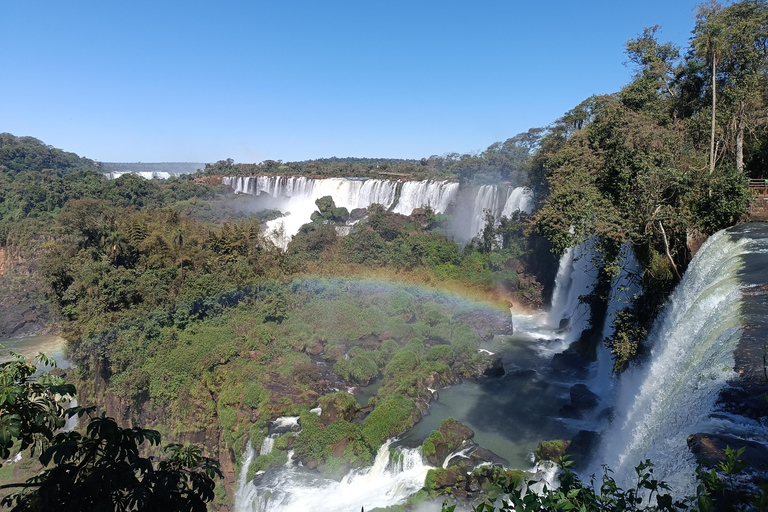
x=714 y=103
x=666 y=250
x=740 y=137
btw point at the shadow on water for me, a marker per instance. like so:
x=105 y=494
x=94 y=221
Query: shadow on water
x=510 y=415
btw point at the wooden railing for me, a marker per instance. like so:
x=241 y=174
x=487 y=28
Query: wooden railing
x=759 y=185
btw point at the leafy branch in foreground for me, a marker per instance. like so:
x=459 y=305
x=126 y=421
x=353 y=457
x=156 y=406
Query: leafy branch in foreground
x=647 y=494
x=31 y=409
x=99 y=470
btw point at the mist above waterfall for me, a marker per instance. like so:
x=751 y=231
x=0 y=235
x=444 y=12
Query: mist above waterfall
x=469 y=212
x=295 y=197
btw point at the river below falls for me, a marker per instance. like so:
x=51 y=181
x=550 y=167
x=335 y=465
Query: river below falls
x=51 y=345
x=510 y=415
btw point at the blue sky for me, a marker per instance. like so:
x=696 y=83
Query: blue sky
x=292 y=80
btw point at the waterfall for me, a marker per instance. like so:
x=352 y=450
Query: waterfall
x=462 y=452
x=692 y=357
x=147 y=175
x=267 y=445
x=624 y=287
x=434 y=194
x=500 y=201
x=347 y=193
x=297 y=195
x=520 y=200
x=575 y=277
x=72 y=421
x=487 y=197
x=384 y=484
x=285 y=423
x=244 y=491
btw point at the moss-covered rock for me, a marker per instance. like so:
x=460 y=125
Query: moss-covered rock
x=441 y=442
x=551 y=450
x=335 y=406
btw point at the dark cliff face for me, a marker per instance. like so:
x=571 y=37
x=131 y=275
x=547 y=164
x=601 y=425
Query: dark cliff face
x=128 y=413
x=24 y=310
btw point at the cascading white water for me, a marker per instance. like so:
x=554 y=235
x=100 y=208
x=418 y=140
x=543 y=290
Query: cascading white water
x=72 y=421
x=300 y=193
x=286 y=423
x=624 y=287
x=267 y=446
x=575 y=277
x=242 y=493
x=659 y=404
x=462 y=452
x=519 y=200
x=147 y=175
x=386 y=483
x=499 y=201
x=487 y=197
x=434 y=194
x=346 y=193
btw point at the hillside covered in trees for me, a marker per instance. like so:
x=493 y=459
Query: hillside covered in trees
x=182 y=314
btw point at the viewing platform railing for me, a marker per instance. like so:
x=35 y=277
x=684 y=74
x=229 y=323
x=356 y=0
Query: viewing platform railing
x=760 y=186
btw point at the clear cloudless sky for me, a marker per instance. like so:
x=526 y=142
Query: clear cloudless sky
x=200 y=81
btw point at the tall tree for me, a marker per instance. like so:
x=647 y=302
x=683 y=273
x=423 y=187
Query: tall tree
x=745 y=65
x=708 y=42
x=733 y=41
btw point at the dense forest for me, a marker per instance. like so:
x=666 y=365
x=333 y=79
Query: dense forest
x=182 y=314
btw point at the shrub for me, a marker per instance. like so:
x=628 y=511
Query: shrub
x=391 y=416
x=441 y=353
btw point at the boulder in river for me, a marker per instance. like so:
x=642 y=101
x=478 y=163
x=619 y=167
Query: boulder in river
x=583 y=402
x=709 y=450
x=442 y=442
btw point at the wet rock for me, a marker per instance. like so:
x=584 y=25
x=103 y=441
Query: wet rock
x=746 y=400
x=362 y=413
x=515 y=265
x=357 y=214
x=450 y=478
x=460 y=493
x=492 y=367
x=58 y=372
x=337 y=406
x=492 y=476
x=583 y=402
x=582 y=446
x=709 y=450
x=694 y=239
x=571 y=362
x=482 y=455
x=442 y=442
x=487 y=324
x=486 y=366
x=311 y=464
x=338 y=448
x=606 y=414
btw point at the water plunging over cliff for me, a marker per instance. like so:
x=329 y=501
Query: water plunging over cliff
x=673 y=395
x=297 y=195
x=575 y=277
x=499 y=201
